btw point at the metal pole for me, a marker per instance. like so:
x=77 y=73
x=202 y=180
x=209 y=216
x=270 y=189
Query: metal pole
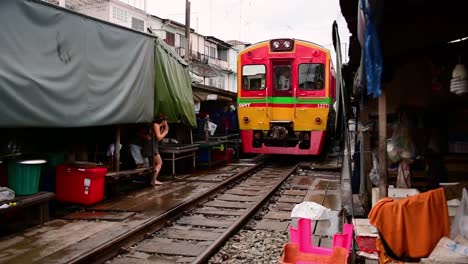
x=187 y=30
x=116 y=149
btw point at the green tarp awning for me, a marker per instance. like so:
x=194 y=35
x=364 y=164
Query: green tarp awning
x=172 y=87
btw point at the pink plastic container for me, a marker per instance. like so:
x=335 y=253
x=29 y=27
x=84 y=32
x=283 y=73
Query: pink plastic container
x=305 y=250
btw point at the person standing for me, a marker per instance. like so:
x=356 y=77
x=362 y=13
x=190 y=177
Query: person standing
x=160 y=129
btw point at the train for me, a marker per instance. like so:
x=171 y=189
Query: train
x=286 y=92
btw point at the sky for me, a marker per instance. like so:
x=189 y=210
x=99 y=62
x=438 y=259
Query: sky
x=257 y=20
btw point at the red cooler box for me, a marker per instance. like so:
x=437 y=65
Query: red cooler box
x=79 y=185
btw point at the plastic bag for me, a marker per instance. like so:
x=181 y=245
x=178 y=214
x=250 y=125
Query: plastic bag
x=6 y=194
x=212 y=127
x=374 y=174
x=400 y=146
x=310 y=210
x=460 y=222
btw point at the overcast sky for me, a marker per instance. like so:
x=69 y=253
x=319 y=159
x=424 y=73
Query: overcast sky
x=256 y=20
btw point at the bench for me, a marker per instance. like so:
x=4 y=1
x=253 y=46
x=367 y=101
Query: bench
x=126 y=174
x=112 y=178
x=29 y=210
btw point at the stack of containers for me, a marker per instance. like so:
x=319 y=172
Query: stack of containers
x=80 y=184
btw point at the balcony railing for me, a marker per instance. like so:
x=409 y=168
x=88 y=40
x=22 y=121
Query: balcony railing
x=207 y=59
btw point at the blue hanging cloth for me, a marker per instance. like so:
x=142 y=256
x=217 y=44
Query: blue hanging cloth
x=372 y=55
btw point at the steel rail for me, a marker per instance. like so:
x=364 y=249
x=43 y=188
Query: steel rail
x=111 y=249
x=204 y=257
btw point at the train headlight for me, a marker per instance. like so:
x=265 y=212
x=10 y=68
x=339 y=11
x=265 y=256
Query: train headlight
x=281 y=44
x=318 y=120
x=246 y=119
x=276 y=44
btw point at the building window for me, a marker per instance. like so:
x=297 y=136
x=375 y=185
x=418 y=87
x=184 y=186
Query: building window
x=222 y=54
x=101 y=8
x=119 y=14
x=170 y=38
x=212 y=52
x=183 y=40
x=138 y=24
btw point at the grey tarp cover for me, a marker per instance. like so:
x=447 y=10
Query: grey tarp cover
x=173 y=87
x=59 y=69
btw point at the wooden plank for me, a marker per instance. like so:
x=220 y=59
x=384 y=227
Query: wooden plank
x=274 y=225
x=383 y=145
x=189 y=234
x=171 y=248
x=291 y=199
x=241 y=192
x=99 y=215
x=280 y=215
x=30 y=200
x=217 y=211
x=284 y=206
x=295 y=192
x=139 y=171
x=199 y=220
x=225 y=204
x=237 y=198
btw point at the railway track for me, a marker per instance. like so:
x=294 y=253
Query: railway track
x=258 y=198
x=261 y=201
x=197 y=234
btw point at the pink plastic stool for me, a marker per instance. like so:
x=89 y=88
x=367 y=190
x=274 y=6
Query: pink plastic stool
x=302 y=235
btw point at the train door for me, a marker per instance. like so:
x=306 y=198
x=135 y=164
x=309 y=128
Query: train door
x=282 y=90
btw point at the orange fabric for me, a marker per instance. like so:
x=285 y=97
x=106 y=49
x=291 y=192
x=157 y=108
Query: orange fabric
x=383 y=257
x=413 y=226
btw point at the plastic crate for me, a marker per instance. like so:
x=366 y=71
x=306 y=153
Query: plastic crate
x=23 y=176
x=81 y=185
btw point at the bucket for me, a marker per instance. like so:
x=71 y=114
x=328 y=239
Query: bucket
x=23 y=176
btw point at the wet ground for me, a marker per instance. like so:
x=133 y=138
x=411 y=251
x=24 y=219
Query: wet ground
x=64 y=240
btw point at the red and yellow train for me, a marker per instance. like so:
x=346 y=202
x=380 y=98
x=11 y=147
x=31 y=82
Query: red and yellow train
x=286 y=91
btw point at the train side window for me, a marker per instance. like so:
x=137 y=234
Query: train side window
x=282 y=78
x=311 y=76
x=253 y=77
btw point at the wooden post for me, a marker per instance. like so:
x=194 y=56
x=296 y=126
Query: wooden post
x=383 y=145
x=366 y=159
x=116 y=149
